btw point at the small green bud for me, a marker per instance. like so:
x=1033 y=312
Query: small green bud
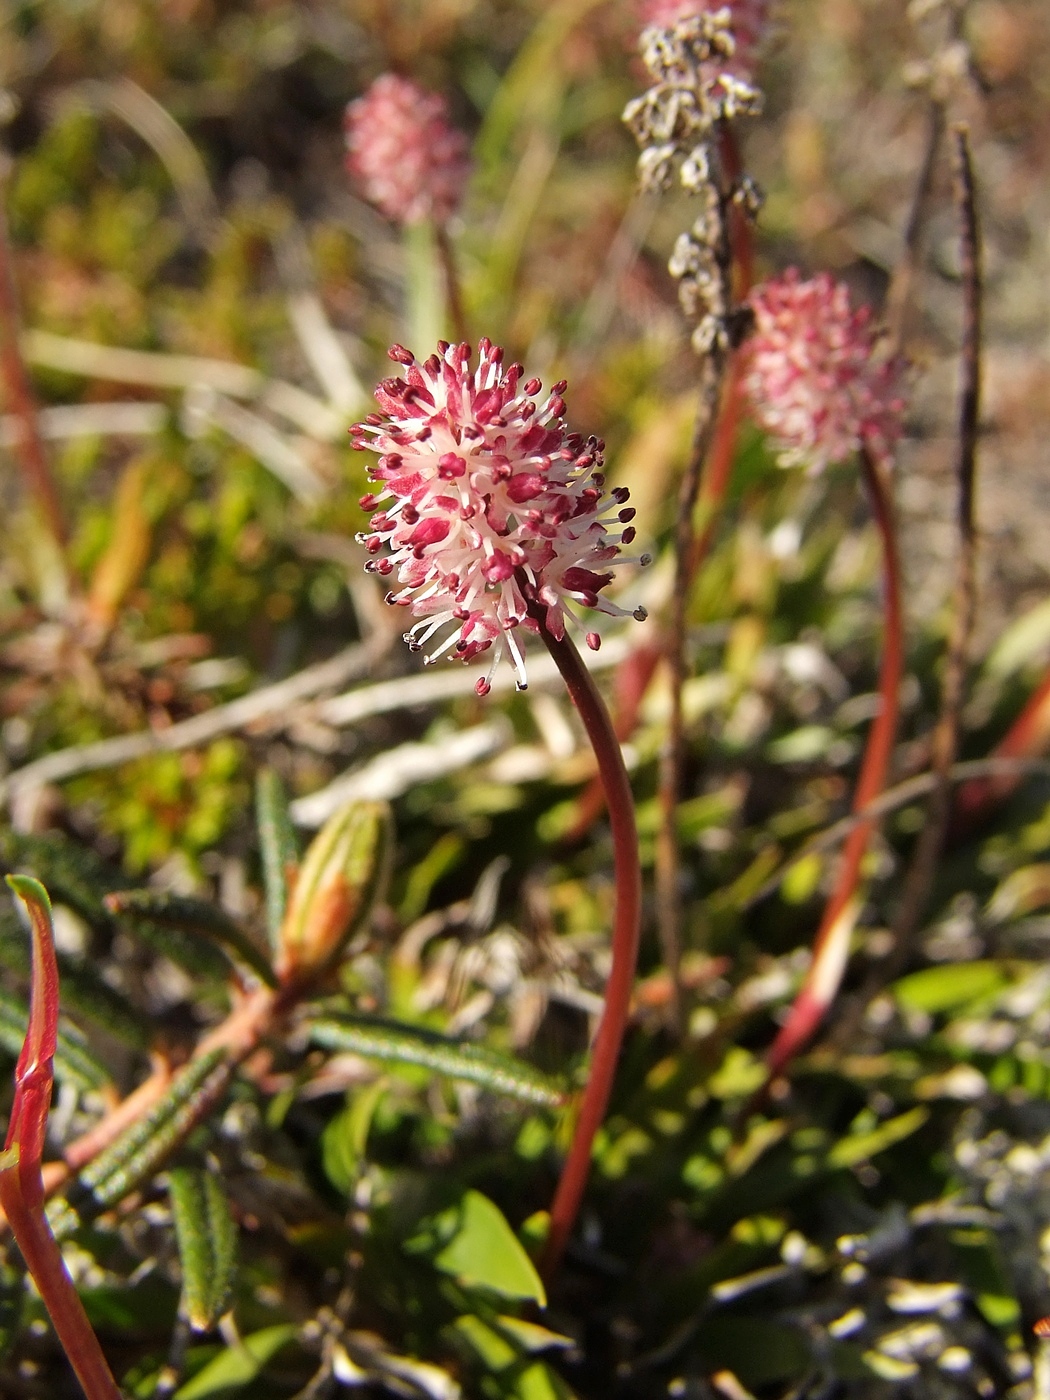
x=341 y=877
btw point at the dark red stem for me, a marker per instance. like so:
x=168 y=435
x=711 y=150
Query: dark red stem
x=808 y=1010
x=626 y=926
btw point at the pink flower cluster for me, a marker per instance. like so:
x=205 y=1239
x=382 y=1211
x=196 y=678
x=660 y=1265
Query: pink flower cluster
x=812 y=373
x=408 y=158
x=747 y=21
x=491 y=511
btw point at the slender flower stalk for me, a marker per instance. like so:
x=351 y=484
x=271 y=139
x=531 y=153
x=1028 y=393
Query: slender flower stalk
x=626 y=926
x=492 y=518
x=29 y=450
x=831 y=946
x=21 y=1181
x=823 y=394
x=413 y=165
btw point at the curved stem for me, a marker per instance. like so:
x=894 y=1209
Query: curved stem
x=626 y=926
x=44 y=1261
x=453 y=287
x=831 y=946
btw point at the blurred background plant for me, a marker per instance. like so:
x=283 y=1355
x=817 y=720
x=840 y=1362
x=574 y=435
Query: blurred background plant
x=205 y=300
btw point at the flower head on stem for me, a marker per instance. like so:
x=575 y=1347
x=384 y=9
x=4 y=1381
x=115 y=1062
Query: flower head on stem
x=814 y=377
x=408 y=158
x=487 y=504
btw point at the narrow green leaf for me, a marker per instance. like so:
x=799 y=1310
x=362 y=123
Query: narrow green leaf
x=74 y=1062
x=207 y=1240
x=238 y=1366
x=486 y=1253
x=71 y=872
x=951 y=985
x=197 y=917
x=858 y=1148
x=277 y=847
x=85 y=996
x=379 y=1039
x=345 y=1136
x=140 y=1152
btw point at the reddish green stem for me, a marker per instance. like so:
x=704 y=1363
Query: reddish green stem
x=626 y=926
x=29 y=451
x=21 y=1181
x=44 y=1261
x=830 y=946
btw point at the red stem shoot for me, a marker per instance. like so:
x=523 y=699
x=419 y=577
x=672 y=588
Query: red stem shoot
x=626 y=927
x=820 y=987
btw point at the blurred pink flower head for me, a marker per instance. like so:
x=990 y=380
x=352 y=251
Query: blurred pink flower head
x=816 y=383
x=491 y=512
x=409 y=160
x=747 y=21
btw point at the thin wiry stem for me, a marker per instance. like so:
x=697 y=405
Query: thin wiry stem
x=626 y=927
x=945 y=742
x=898 y=299
x=672 y=759
x=978 y=773
x=28 y=450
x=832 y=942
x=705 y=480
x=453 y=285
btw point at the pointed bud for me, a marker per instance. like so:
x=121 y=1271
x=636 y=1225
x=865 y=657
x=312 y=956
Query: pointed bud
x=339 y=881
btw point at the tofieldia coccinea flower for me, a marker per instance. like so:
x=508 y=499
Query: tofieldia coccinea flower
x=491 y=512
x=816 y=382
x=408 y=158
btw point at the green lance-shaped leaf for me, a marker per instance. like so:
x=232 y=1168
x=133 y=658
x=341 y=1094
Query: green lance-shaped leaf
x=376 y=1038
x=74 y=1062
x=340 y=879
x=85 y=996
x=197 y=917
x=278 y=848
x=141 y=1151
x=207 y=1240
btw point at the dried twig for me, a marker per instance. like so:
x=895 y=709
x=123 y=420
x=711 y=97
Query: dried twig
x=159 y=129
x=161 y=371
x=945 y=741
x=260 y=704
x=976 y=770
x=392 y=773
x=672 y=760
x=898 y=298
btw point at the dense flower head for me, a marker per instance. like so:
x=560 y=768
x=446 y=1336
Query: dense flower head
x=815 y=379
x=492 y=515
x=402 y=149
x=748 y=20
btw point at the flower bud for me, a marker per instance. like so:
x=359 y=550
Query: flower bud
x=339 y=881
